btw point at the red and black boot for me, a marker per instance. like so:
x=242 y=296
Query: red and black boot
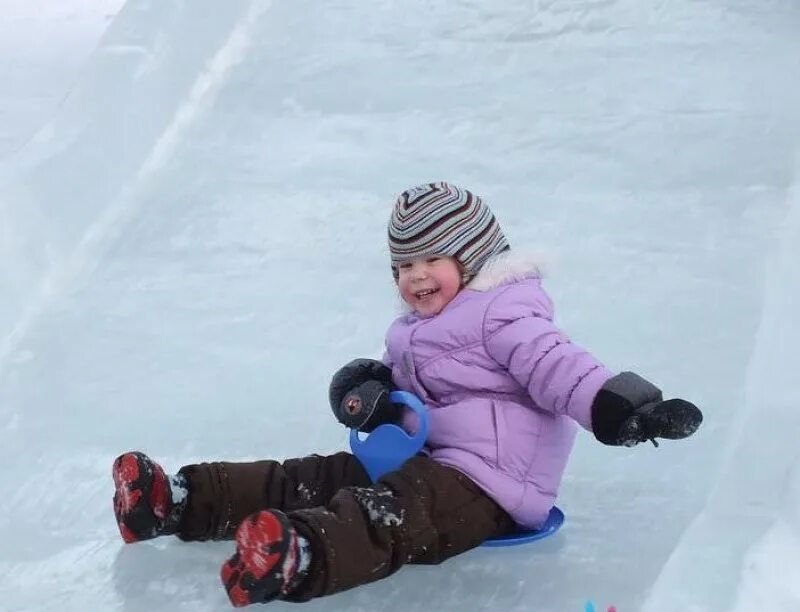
x=144 y=503
x=269 y=562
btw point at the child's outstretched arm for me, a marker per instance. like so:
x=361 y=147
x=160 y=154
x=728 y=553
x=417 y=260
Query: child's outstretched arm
x=565 y=379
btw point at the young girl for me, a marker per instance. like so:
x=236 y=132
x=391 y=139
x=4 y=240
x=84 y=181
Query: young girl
x=503 y=386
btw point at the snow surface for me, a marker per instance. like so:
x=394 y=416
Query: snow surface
x=194 y=241
x=43 y=45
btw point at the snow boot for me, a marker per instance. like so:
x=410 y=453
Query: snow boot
x=270 y=559
x=147 y=502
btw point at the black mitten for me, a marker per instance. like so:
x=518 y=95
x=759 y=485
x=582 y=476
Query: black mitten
x=673 y=420
x=367 y=406
x=628 y=410
x=359 y=395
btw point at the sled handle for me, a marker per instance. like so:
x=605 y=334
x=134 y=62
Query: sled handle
x=388 y=446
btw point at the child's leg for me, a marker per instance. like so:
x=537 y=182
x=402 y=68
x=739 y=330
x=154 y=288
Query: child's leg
x=217 y=496
x=423 y=513
x=222 y=494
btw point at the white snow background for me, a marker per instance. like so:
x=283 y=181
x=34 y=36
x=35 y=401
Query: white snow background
x=193 y=198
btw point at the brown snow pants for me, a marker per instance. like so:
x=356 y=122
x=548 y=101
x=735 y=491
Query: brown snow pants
x=359 y=532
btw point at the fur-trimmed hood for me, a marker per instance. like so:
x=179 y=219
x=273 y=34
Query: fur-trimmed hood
x=505 y=268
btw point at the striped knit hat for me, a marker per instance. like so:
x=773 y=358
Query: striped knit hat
x=442 y=219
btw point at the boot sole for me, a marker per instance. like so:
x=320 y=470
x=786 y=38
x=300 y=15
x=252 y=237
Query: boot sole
x=141 y=498
x=265 y=560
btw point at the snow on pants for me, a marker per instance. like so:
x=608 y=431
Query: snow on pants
x=424 y=512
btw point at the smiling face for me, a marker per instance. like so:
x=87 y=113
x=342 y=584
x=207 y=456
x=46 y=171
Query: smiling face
x=427 y=284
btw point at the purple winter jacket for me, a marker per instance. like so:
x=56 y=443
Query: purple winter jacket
x=502 y=384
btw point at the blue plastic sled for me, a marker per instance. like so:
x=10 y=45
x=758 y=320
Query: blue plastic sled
x=389 y=446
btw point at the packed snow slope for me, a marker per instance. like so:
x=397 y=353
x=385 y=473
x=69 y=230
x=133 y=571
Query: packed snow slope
x=194 y=242
x=43 y=44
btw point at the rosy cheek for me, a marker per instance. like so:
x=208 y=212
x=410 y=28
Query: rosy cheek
x=406 y=294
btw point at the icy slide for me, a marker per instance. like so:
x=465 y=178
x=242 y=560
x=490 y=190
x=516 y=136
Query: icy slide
x=194 y=242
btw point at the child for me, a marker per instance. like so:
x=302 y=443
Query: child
x=503 y=387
